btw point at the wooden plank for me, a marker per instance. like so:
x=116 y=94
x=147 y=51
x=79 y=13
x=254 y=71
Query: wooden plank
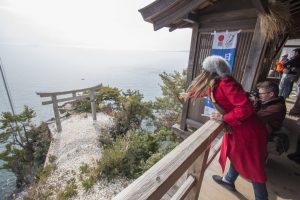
x=197 y=170
x=191 y=64
x=66 y=99
x=155 y=182
x=177 y=11
x=56 y=114
x=256 y=49
x=231 y=15
x=184 y=189
x=181 y=133
x=47 y=94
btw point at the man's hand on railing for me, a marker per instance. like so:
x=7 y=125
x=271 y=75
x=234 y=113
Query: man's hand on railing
x=217 y=116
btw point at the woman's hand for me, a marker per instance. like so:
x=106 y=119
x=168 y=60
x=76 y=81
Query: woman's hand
x=183 y=95
x=217 y=116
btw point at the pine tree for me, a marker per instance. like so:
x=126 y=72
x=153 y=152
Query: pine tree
x=25 y=144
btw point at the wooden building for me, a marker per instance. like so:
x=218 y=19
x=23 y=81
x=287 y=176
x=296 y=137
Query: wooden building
x=255 y=50
x=179 y=175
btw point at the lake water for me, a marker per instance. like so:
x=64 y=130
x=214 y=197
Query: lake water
x=42 y=68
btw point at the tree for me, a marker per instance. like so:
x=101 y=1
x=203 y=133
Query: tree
x=131 y=112
x=169 y=107
x=26 y=145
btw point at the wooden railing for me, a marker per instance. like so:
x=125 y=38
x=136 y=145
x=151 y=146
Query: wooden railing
x=55 y=101
x=189 y=158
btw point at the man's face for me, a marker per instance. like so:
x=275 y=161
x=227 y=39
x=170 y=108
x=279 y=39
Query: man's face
x=265 y=95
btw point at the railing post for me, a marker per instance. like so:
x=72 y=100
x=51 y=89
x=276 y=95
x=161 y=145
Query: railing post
x=197 y=171
x=93 y=104
x=56 y=113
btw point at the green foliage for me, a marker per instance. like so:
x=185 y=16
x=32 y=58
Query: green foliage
x=128 y=156
x=34 y=192
x=84 y=168
x=107 y=93
x=45 y=173
x=88 y=183
x=106 y=97
x=169 y=107
x=26 y=145
x=105 y=139
x=131 y=112
x=52 y=158
x=82 y=105
x=69 y=191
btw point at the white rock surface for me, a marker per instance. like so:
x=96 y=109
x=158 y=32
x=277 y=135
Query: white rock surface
x=75 y=145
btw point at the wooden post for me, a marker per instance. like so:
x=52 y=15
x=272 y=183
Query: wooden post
x=197 y=171
x=191 y=67
x=74 y=94
x=56 y=113
x=253 y=61
x=93 y=104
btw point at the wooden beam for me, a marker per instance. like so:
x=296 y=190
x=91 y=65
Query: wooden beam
x=261 y=5
x=181 y=133
x=292 y=46
x=65 y=99
x=245 y=24
x=56 y=114
x=231 y=15
x=193 y=123
x=178 y=11
x=48 y=94
x=93 y=104
x=157 y=7
x=184 y=189
x=155 y=182
x=191 y=67
x=254 y=56
x=197 y=170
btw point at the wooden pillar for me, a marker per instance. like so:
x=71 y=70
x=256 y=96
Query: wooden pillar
x=254 y=57
x=73 y=94
x=93 y=104
x=197 y=171
x=56 y=113
x=191 y=66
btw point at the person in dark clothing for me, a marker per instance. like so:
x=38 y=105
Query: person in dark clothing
x=296 y=155
x=270 y=107
x=290 y=74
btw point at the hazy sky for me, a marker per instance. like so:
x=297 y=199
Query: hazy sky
x=113 y=24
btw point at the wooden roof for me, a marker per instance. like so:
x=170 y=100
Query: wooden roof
x=183 y=13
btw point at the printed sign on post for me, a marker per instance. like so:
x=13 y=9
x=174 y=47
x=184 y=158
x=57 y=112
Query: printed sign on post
x=208 y=108
x=224 y=44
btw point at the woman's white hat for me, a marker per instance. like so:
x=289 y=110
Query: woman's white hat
x=216 y=64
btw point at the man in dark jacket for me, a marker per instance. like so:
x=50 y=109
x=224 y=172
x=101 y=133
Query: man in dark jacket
x=270 y=107
x=290 y=74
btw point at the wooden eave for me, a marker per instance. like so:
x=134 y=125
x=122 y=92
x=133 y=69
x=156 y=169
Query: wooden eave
x=184 y=13
x=172 y=13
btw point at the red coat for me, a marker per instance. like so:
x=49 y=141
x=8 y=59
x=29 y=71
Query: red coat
x=246 y=146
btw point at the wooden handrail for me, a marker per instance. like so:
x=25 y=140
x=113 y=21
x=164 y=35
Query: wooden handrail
x=156 y=182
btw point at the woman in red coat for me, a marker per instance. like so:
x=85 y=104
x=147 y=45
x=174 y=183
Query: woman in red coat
x=244 y=142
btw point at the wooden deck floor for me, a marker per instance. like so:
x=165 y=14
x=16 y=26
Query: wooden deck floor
x=283 y=174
